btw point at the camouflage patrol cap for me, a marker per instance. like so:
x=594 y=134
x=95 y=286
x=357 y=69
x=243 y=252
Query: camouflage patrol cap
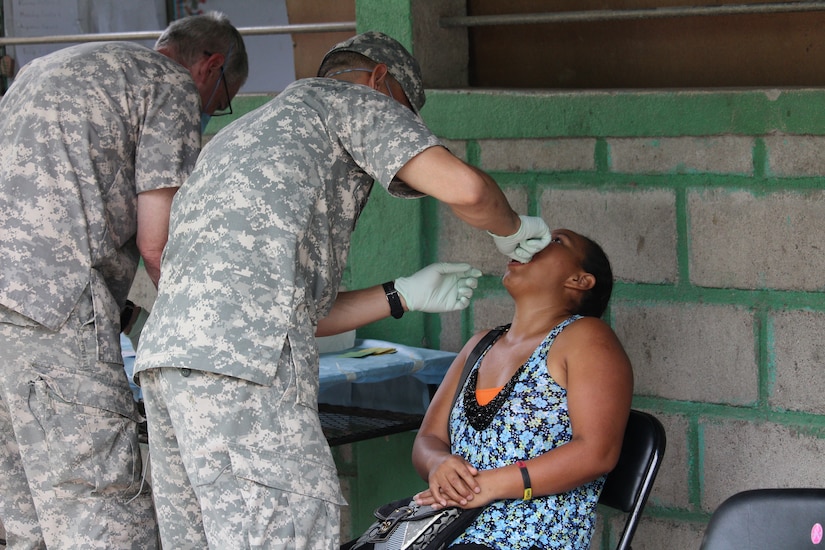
x=400 y=63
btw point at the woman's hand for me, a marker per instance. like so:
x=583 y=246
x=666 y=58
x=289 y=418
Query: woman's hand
x=452 y=483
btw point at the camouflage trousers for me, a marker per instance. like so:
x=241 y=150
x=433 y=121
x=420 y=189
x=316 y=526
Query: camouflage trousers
x=237 y=465
x=70 y=465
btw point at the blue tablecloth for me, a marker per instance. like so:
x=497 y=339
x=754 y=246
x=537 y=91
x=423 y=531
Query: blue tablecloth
x=395 y=381
x=427 y=365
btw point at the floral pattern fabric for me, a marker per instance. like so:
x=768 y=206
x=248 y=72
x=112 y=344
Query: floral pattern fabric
x=533 y=421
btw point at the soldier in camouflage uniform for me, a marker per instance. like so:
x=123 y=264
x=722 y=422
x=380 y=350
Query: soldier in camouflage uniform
x=258 y=243
x=96 y=139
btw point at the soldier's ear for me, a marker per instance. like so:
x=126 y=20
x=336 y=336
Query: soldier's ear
x=378 y=77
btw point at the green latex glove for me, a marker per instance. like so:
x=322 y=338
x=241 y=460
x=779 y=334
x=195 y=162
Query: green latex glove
x=532 y=236
x=439 y=288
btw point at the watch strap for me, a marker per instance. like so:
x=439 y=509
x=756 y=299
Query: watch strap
x=396 y=309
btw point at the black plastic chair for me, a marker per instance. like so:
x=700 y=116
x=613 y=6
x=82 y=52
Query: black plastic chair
x=768 y=519
x=628 y=485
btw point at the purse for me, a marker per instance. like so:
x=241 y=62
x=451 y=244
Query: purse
x=403 y=524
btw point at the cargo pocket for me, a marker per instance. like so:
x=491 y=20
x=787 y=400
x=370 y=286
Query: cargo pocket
x=305 y=477
x=90 y=430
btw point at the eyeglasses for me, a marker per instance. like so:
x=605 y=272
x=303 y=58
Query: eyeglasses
x=222 y=77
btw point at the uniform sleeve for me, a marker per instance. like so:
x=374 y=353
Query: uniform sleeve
x=380 y=134
x=169 y=141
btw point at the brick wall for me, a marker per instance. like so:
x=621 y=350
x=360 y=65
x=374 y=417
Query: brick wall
x=711 y=208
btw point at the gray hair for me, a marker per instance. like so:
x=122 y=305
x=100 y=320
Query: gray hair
x=189 y=38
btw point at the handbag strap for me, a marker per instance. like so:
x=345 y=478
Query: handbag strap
x=482 y=345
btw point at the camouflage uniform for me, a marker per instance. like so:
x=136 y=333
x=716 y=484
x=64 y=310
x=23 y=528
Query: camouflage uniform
x=258 y=243
x=83 y=131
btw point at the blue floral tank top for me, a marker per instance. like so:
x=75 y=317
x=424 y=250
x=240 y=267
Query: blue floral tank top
x=533 y=420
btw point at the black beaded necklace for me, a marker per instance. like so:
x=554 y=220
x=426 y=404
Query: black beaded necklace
x=480 y=416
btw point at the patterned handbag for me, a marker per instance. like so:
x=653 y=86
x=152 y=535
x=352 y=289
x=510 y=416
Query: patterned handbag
x=404 y=525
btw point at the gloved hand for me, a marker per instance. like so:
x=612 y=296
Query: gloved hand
x=439 y=288
x=532 y=236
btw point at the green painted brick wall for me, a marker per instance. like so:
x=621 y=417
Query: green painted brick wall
x=705 y=152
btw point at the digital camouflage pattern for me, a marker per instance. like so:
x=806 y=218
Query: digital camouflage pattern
x=72 y=418
x=259 y=234
x=226 y=477
x=400 y=64
x=83 y=131
x=258 y=243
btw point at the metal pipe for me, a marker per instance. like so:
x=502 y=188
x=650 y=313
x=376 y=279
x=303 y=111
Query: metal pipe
x=615 y=15
x=153 y=35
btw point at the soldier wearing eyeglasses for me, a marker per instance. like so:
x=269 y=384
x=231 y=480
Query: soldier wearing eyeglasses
x=96 y=140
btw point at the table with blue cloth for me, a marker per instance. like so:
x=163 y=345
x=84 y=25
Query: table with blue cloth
x=377 y=395
x=365 y=397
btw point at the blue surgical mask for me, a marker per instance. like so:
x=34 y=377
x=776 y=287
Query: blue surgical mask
x=206 y=116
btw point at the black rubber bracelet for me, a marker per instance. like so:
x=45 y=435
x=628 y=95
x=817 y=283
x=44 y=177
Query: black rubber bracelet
x=396 y=309
x=525 y=476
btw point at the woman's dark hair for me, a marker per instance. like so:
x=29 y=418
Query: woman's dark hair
x=595 y=262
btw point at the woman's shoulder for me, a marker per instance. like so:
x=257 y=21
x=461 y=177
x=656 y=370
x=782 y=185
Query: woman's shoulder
x=589 y=329
x=588 y=322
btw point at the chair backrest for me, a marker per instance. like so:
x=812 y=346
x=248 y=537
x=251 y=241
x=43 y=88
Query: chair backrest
x=628 y=485
x=768 y=519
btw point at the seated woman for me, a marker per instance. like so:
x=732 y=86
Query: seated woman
x=549 y=398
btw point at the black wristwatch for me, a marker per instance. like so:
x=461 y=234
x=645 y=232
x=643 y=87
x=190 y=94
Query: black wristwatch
x=396 y=309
